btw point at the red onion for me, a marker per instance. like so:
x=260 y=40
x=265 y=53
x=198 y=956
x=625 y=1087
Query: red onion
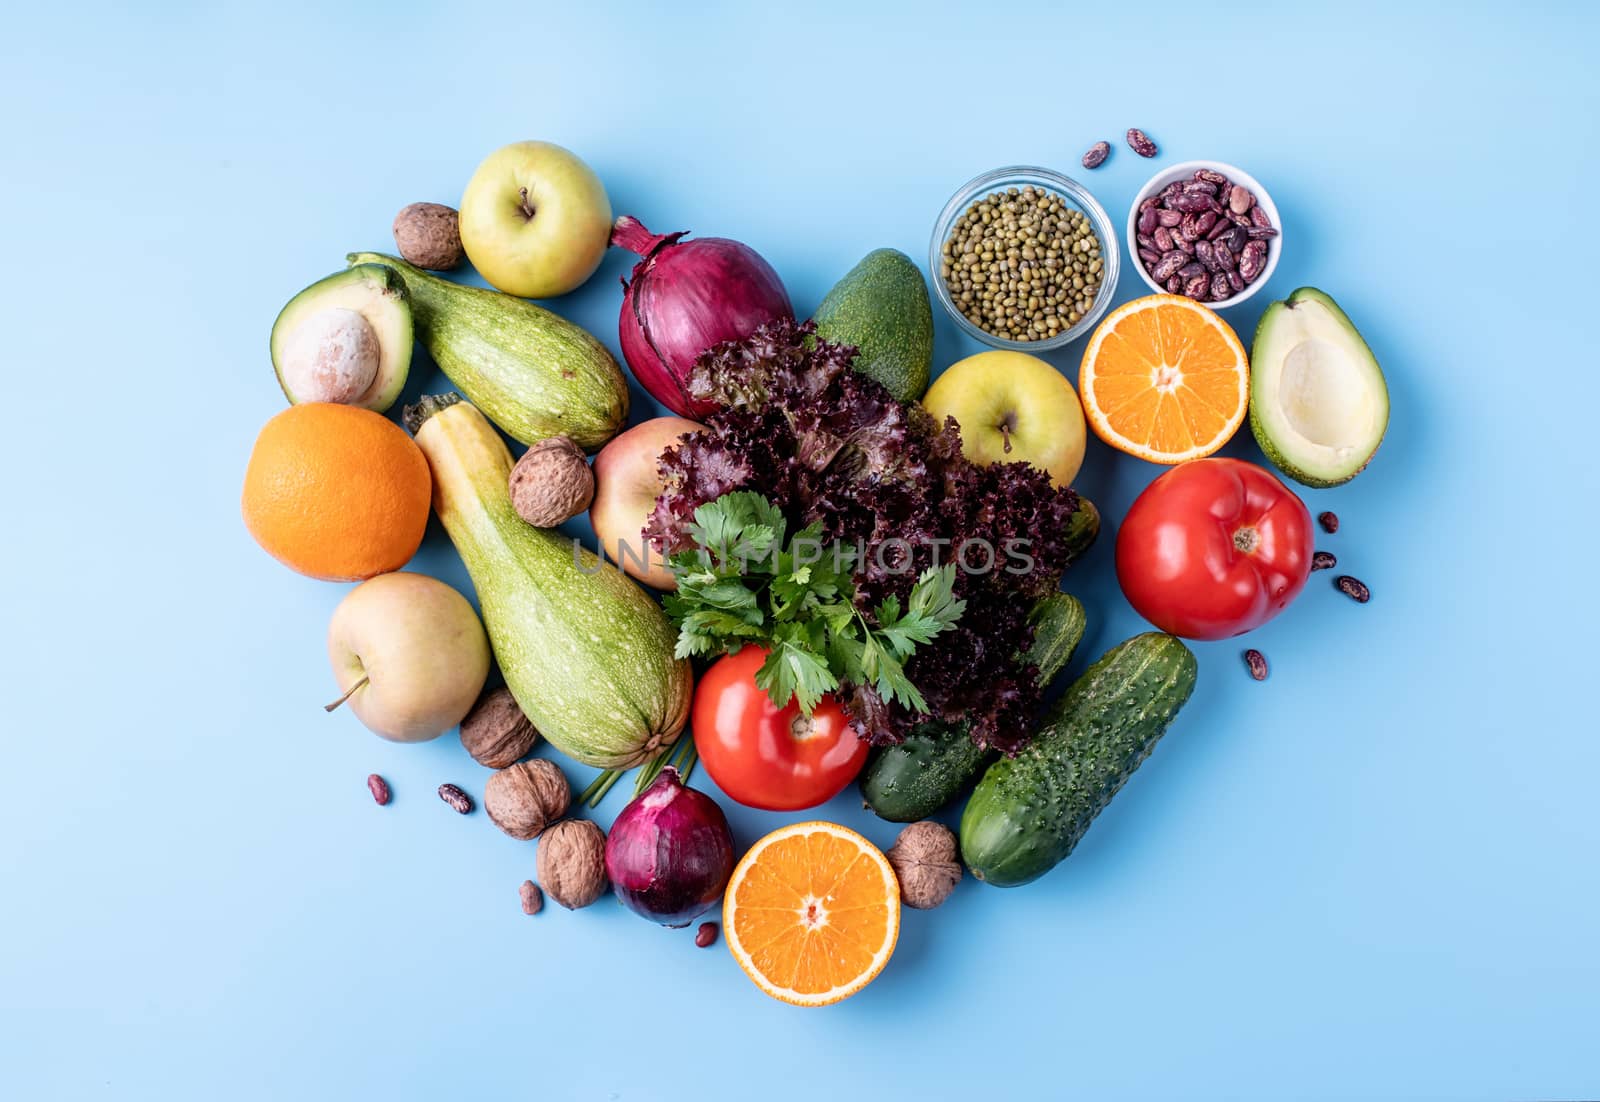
x=687 y=296
x=670 y=853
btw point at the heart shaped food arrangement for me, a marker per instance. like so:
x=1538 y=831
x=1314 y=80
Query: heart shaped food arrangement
x=819 y=571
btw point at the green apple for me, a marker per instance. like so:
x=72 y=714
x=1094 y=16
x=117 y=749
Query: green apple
x=410 y=656
x=535 y=220
x=627 y=483
x=1013 y=408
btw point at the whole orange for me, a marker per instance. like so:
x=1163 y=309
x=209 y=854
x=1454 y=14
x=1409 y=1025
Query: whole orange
x=336 y=492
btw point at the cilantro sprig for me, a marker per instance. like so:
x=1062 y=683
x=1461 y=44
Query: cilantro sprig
x=748 y=581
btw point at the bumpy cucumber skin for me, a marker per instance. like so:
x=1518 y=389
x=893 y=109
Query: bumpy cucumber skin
x=1083 y=528
x=936 y=761
x=1028 y=812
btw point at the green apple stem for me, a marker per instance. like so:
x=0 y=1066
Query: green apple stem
x=348 y=693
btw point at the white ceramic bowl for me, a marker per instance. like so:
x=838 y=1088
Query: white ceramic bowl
x=1237 y=175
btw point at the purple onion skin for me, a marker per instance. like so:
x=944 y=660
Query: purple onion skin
x=686 y=297
x=669 y=854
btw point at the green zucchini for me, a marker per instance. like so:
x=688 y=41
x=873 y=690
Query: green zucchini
x=936 y=761
x=532 y=373
x=587 y=654
x=1028 y=812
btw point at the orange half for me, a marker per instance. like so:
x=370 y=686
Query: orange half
x=812 y=913
x=1165 y=379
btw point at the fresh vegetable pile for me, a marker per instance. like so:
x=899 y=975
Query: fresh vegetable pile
x=859 y=574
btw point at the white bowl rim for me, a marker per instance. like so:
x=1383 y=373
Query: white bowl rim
x=1234 y=173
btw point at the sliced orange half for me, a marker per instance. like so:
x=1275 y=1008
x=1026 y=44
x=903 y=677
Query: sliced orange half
x=1164 y=379
x=812 y=913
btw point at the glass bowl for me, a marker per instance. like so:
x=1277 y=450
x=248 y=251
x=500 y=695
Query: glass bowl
x=1042 y=178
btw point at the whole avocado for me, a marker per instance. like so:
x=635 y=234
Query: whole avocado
x=881 y=306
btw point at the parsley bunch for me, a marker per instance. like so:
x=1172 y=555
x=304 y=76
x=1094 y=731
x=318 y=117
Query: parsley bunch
x=745 y=582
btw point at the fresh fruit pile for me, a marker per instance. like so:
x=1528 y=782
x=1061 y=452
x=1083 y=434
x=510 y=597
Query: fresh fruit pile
x=859 y=574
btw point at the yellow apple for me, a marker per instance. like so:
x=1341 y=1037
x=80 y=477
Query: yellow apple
x=1012 y=408
x=409 y=654
x=627 y=483
x=535 y=220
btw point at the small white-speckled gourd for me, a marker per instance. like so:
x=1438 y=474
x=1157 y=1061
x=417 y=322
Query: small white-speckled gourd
x=587 y=653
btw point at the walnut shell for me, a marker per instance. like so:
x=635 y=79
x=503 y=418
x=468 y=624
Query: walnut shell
x=572 y=863
x=551 y=483
x=429 y=235
x=495 y=732
x=926 y=863
x=526 y=797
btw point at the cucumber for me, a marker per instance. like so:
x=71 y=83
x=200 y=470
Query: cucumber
x=1083 y=528
x=587 y=654
x=936 y=761
x=532 y=373
x=1028 y=812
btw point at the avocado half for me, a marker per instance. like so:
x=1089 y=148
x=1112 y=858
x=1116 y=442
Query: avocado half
x=1318 y=403
x=339 y=319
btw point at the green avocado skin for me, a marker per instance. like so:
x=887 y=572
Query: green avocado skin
x=1028 y=812
x=930 y=768
x=881 y=306
x=1261 y=360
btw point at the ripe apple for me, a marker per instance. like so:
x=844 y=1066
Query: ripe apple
x=626 y=485
x=535 y=220
x=410 y=655
x=1012 y=408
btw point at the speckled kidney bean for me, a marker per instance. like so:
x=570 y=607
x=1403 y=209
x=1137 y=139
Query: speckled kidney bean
x=1258 y=217
x=1224 y=255
x=1206 y=254
x=1168 y=218
x=1189 y=271
x=1168 y=265
x=1147 y=220
x=1150 y=257
x=1235 y=280
x=1219 y=286
x=1181 y=242
x=1097 y=154
x=1213 y=177
x=1198 y=288
x=1252 y=260
x=1221 y=227
x=1240 y=199
x=1140 y=142
x=1145 y=241
x=1237 y=238
x=1175 y=285
x=1189 y=201
x=1163 y=239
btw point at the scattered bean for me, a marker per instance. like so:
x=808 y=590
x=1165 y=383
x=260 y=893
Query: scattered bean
x=1353 y=588
x=379 y=789
x=1140 y=143
x=1097 y=154
x=706 y=935
x=1323 y=560
x=1257 y=663
x=1329 y=521
x=459 y=801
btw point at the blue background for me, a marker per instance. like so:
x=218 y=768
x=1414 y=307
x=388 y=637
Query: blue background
x=1374 y=875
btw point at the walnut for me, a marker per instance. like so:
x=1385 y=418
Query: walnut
x=572 y=863
x=925 y=861
x=527 y=797
x=429 y=235
x=495 y=732
x=551 y=483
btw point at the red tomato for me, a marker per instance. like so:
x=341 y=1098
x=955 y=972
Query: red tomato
x=1214 y=548
x=777 y=759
